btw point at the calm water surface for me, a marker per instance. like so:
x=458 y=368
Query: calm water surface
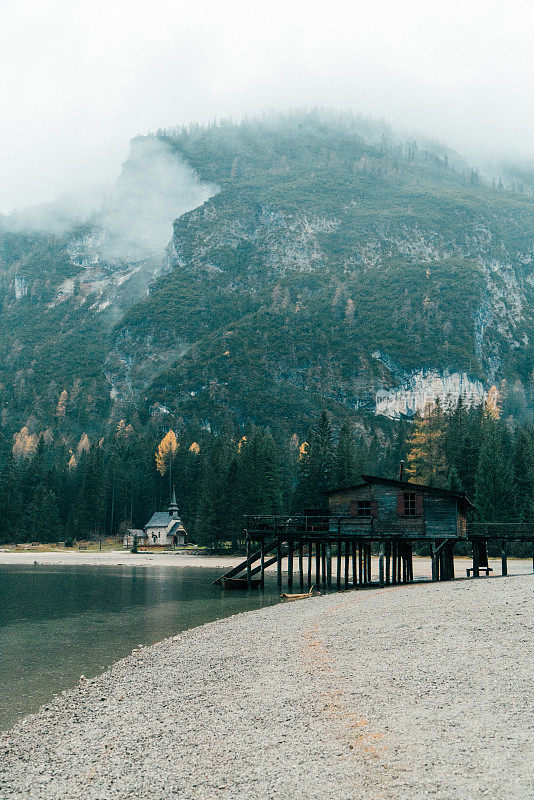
x=59 y=622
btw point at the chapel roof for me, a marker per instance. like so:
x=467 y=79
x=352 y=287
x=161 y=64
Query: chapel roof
x=159 y=519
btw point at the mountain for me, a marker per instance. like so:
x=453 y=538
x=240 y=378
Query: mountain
x=313 y=260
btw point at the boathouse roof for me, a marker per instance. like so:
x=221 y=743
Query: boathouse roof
x=406 y=486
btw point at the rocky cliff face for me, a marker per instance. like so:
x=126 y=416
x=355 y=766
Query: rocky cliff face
x=423 y=390
x=305 y=266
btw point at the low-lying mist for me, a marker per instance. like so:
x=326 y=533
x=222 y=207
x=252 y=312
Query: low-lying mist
x=134 y=217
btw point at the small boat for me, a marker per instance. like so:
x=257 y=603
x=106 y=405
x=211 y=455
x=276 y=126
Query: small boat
x=239 y=583
x=287 y=596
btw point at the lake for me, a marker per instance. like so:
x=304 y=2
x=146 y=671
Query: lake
x=59 y=622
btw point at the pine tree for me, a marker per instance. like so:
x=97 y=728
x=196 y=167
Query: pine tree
x=453 y=481
x=316 y=466
x=345 y=471
x=523 y=466
x=260 y=474
x=213 y=517
x=494 y=485
x=462 y=443
x=44 y=515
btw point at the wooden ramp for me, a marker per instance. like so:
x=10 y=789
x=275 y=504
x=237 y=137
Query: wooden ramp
x=252 y=558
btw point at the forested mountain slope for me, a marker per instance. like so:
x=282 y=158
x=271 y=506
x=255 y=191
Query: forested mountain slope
x=314 y=260
x=327 y=266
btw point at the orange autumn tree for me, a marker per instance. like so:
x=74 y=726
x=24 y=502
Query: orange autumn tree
x=426 y=449
x=24 y=444
x=61 y=407
x=167 y=449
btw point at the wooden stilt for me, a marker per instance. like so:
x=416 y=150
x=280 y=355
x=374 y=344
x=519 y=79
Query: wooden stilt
x=476 y=559
x=317 y=564
x=279 y=565
x=262 y=565
x=301 y=567
x=328 y=565
x=434 y=556
x=354 y=566
x=290 y=566
x=360 y=563
x=388 y=556
x=442 y=564
x=381 y=571
x=347 y=559
x=504 y=558
x=249 y=577
x=369 y=564
x=399 y=561
x=394 y=562
x=410 y=561
x=338 y=572
x=310 y=558
x=323 y=564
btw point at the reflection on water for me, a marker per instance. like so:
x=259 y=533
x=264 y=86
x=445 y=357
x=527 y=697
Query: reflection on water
x=59 y=622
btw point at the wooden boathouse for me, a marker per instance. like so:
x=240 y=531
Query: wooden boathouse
x=385 y=515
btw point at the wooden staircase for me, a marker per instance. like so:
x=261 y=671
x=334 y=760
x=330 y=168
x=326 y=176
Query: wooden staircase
x=234 y=574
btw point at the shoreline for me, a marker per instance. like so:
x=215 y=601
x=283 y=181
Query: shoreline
x=116 y=558
x=368 y=694
x=121 y=558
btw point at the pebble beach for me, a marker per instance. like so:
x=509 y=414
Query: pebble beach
x=401 y=693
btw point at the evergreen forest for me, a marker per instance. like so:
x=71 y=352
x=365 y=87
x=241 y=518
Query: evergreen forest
x=50 y=493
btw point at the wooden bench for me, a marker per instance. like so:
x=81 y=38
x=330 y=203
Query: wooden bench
x=487 y=570
x=82 y=547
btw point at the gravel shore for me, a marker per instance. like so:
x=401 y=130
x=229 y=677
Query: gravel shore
x=420 y=691
x=117 y=558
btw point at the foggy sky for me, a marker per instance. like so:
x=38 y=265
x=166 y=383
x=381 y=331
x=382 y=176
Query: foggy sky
x=79 y=79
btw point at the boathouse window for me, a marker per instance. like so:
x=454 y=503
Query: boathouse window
x=364 y=508
x=409 y=504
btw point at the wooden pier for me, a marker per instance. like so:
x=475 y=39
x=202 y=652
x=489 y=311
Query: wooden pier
x=386 y=517
x=318 y=557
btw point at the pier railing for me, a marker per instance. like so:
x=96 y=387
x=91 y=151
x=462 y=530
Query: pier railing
x=514 y=531
x=327 y=526
x=296 y=526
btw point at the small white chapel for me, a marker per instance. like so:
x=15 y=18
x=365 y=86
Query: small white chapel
x=164 y=529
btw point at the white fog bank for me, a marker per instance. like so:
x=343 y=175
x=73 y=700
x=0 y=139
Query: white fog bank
x=129 y=220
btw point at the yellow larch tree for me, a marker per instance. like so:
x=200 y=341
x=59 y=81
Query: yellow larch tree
x=492 y=404
x=61 y=407
x=303 y=450
x=123 y=430
x=426 y=458
x=84 y=445
x=167 y=449
x=24 y=443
